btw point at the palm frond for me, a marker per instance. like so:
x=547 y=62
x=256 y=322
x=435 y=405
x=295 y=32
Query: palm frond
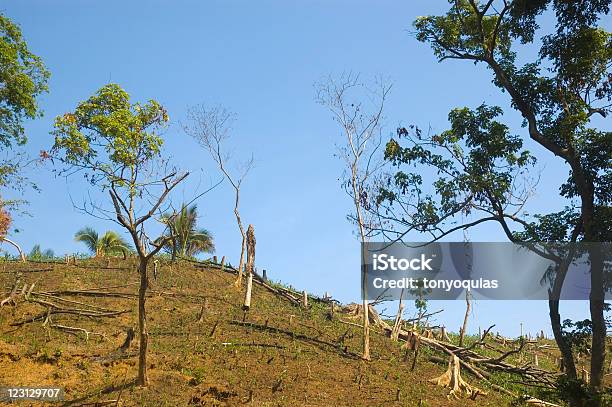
x=89 y=237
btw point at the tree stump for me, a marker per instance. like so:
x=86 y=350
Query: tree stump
x=585 y=376
x=452 y=379
x=250 y=243
x=128 y=340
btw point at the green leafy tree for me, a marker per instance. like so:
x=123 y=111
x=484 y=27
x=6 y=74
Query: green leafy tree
x=184 y=238
x=109 y=244
x=23 y=78
x=117 y=146
x=38 y=254
x=558 y=93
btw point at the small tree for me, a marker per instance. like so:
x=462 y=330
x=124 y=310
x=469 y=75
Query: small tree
x=211 y=129
x=184 y=237
x=109 y=244
x=361 y=126
x=116 y=145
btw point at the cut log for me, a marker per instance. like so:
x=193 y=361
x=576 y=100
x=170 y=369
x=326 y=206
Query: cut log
x=452 y=379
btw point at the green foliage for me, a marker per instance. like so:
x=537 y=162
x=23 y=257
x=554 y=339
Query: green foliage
x=38 y=254
x=107 y=134
x=477 y=161
x=184 y=238
x=23 y=77
x=559 y=92
x=578 y=334
x=109 y=244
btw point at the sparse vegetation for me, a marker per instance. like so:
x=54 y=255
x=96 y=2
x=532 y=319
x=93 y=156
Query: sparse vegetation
x=143 y=320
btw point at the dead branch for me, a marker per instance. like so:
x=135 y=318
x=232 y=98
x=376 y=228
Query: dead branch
x=76 y=330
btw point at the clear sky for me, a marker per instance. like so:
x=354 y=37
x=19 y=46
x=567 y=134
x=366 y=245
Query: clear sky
x=260 y=59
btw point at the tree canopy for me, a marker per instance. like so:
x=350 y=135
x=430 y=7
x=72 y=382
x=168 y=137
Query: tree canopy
x=23 y=77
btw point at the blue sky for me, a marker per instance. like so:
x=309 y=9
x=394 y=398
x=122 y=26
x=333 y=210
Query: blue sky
x=260 y=59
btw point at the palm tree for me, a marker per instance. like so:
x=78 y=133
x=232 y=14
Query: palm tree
x=110 y=244
x=185 y=239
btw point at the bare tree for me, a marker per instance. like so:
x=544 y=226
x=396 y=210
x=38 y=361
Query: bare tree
x=358 y=109
x=211 y=128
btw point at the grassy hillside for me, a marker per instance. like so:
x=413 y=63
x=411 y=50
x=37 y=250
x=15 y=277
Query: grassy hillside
x=201 y=352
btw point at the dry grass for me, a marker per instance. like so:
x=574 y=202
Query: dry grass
x=304 y=360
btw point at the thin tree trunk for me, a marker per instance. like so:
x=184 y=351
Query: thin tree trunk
x=241 y=264
x=465 y=319
x=398 y=318
x=173 y=250
x=364 y=271
x=366 y=317
x=364 y=290
x=16 y=246
x=244 y=239
x=143 y=378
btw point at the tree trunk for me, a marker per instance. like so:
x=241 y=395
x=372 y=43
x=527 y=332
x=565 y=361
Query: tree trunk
x=366 y=316
x=465 y=319
x=247 y=295
x=173 y=250
x=249 y=266
x=244 y=238
x=143 y=378
x=16 y=246
x=398 y=318
x=596 y=305
x=241 y=264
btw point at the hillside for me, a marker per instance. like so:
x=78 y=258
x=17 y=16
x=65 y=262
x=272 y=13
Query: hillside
x=201 y=352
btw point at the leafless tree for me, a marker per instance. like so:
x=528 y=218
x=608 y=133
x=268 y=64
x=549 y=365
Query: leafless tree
x=358 y=109
x=211 y=128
